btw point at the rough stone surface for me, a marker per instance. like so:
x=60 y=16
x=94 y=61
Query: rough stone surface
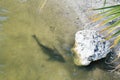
x=89 y=46
x=82 y=10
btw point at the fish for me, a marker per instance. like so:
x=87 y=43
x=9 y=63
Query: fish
x=53 y=54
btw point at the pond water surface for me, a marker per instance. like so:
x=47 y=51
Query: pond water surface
x=54 y=24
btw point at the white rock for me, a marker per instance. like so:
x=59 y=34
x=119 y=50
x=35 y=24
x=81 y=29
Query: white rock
x=89 y=46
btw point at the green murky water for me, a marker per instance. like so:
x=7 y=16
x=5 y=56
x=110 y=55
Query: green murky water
x=20 y=56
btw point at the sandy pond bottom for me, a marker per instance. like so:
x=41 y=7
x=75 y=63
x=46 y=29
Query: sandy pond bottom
x=20 y=56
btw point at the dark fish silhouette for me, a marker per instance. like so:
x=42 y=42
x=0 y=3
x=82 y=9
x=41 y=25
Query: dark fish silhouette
x=52 y=53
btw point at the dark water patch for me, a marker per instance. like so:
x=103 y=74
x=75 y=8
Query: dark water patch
x=95 y=71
